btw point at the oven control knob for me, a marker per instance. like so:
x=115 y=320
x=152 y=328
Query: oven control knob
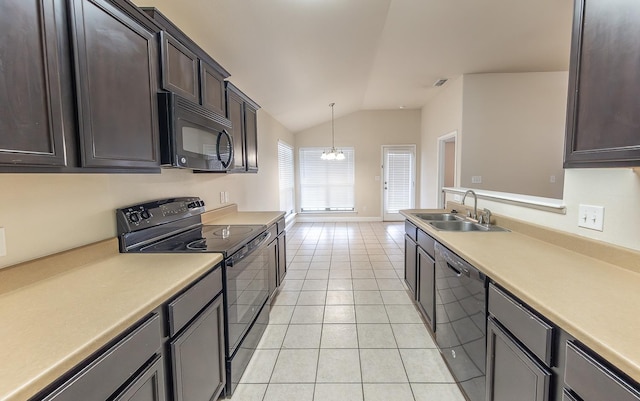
x=201 y=203
x=145 y=214
x=134 y=217
x=191 y=205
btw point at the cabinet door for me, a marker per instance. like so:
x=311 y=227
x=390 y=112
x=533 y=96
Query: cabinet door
x=212 y=89
x=148 y=386
x=179 y=69
x=410 y=264
x=235 y=107
x=116 y=87
x=427 y=286
x=272 y=250
x=251 y=132
x=602 y=117
x=512 y=374
x=35 y=106
x=282 y=257
x=198 y=357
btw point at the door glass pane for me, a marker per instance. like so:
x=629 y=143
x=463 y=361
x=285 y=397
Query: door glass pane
x=398 y=179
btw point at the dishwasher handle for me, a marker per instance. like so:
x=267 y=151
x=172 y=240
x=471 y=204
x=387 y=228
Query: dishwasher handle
x=457 y=264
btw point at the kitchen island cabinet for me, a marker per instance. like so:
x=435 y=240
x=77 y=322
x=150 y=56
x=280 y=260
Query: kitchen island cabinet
x=514 y=370
x=568 y=282
x=94 y=59
x=602 y=118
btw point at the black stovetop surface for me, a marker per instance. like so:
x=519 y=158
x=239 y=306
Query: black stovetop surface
x=207 y=238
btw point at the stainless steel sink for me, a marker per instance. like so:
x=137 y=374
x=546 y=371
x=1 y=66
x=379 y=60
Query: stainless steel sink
x=438 y=216
x=463 y=225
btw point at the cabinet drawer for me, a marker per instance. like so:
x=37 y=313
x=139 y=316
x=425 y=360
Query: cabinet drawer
x=426 y=242
x=593 y=381
x=411 y=230
x=528 y=328
x=182 y=309
x=281 y=224
x=102 y=377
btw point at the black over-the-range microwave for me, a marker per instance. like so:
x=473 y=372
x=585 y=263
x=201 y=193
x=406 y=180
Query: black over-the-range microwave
x=193 y=137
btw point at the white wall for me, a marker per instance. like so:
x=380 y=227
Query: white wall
x=366 y=131
x=48 y=213
x=514 y=132
x=618 y=190
x=440 y=116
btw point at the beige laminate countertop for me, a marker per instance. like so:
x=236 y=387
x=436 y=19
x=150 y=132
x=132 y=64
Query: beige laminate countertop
x=235 y=217
x=58 y=310
x=594 y=301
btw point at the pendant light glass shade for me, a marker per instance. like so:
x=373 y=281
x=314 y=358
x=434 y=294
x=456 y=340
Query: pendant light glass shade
x=333 y=153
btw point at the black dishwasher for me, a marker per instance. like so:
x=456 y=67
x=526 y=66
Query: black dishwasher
x=461 y=320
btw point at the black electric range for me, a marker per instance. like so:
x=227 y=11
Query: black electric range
x=175 y=226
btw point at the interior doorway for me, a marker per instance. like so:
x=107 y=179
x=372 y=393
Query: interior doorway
x=447 y=175
x=399 y=180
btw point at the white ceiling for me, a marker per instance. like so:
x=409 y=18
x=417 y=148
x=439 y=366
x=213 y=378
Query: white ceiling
x=294 y=57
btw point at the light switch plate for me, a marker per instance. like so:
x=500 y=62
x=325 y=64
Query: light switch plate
x=3 y=243
x=591 y=217
x=222 y=197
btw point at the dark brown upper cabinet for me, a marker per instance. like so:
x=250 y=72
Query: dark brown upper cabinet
x=36 y=104
x=242 y=111
x=603 y=123
x=78 y=84
x=117 y=85
x=186 y=69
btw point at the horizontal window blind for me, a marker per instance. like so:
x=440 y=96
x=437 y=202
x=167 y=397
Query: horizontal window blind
x=326 y=185
x=286 y=177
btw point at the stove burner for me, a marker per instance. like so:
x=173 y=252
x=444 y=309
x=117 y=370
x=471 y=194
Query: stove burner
x=198 y=245
x=226 y=232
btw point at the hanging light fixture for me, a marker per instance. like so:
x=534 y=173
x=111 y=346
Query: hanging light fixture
x=333 y=153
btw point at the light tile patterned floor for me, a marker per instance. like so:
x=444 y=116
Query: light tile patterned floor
x=343 y=326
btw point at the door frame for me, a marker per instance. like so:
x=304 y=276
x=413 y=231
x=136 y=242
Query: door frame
x=413 y=148
x=442 y=140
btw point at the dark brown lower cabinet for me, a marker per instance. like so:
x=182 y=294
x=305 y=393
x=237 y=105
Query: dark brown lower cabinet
x=410 y=251
x=148 y=386
x=589 y=378
x=282 y=256
x=114 y=368
x=197 y=357
x=512 y=372
x=272 y=250
x=426 y=286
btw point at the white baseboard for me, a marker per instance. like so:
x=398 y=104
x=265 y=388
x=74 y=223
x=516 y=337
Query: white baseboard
x=336 y=219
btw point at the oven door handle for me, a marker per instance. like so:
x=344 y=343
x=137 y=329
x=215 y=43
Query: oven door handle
x=247 y=250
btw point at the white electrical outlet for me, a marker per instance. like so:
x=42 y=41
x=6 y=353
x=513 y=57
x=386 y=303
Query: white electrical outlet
x=552 y=179
x=476 y=179
x=3 y=243
x=222 y=197
x=226 y=197
x=591 y=217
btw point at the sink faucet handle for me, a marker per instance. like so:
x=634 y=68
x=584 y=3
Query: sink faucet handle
x=486 y=216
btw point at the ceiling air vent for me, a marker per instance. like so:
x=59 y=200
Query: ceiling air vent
x=439 y=82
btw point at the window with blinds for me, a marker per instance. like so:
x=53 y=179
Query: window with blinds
x=286 y=177
x=326 y=185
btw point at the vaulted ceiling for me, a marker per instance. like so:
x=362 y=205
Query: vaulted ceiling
x=294 y=57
